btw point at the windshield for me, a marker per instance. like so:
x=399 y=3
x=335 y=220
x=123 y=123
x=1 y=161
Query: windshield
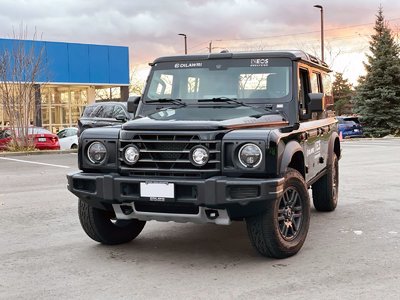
x=251 y=80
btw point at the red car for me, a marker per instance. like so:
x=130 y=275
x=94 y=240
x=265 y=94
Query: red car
x=43 y=139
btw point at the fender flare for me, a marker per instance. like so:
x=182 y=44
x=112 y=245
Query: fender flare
x=334 y=139
x=290 y=149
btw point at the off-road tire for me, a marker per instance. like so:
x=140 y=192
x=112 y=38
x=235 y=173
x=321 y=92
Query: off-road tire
x=325 y=191
x=98 y=225
x=265 y=229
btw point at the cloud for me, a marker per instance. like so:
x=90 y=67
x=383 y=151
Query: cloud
x=150 y=28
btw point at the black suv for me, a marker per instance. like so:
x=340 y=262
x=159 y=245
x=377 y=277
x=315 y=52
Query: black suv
x=217 y=138
x=103 y=114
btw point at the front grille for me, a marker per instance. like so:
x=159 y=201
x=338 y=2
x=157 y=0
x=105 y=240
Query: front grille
x=168 y=155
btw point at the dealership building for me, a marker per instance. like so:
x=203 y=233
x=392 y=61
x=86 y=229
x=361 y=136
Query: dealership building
x=72 y=74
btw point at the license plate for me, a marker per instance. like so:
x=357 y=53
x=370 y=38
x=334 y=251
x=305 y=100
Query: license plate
x=356 y=130
x=41 y=139
x=157 y=191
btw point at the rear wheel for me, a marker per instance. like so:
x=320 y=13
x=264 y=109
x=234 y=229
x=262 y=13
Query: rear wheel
x=326 y=190
x=101 y=225
x=74 y=146
x=281 y=230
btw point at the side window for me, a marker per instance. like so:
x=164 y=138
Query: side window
x=327 y=84
x=118 y=111
x=327 y=87
x=62 y=134
x=304 y=89
x=316 y=85
x=106 y=111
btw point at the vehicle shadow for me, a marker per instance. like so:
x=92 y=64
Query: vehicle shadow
x=183 y=243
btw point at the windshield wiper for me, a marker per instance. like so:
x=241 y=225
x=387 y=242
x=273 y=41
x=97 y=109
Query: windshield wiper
x=224 y=99
x=168 y=100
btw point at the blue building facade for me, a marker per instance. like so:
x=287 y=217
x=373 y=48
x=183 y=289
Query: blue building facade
x=72 y=73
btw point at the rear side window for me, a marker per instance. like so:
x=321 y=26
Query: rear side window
x=91 y=110
x=118 y=111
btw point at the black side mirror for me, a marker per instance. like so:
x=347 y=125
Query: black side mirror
x=133 y=103
x=316 y=102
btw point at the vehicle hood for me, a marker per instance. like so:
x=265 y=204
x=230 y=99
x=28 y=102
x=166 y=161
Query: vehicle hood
x=207 y=118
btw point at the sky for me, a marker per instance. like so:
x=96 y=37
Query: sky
x=150 y=28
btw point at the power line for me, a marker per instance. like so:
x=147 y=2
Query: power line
x=300 y=33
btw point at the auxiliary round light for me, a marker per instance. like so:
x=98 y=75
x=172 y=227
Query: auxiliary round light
x=97 y=153
x=250 y=155
x=131 y=154
x=199 y=156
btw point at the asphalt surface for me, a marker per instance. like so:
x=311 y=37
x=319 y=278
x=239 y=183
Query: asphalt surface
x=352 y=253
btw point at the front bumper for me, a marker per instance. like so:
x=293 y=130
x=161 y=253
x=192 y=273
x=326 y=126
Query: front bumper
x=218 y=190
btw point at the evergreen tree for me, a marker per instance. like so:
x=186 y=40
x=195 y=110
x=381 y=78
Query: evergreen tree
x=377 y=98
x=342 y=92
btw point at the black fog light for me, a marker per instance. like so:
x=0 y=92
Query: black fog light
x=250 y=155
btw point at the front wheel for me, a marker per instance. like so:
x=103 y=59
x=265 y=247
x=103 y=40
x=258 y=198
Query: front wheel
x=281 y=230
x=101 y=225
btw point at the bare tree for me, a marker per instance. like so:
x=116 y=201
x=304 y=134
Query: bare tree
x=105 y=94
x=21 y=65
x=136 y=84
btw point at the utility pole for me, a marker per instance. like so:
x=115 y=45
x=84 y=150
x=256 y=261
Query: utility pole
x=209 y=47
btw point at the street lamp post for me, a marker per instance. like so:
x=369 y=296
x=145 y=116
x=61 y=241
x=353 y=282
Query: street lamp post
x=322 y=30
x=185 y=39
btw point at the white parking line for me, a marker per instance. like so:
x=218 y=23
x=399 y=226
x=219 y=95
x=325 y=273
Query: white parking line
x=34 y=162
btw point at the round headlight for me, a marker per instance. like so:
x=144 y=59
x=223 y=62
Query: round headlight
x=250 y=155
x=97 y=152
x=131 y=154
x=199 y=156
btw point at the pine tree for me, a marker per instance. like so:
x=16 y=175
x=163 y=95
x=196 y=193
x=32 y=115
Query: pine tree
x=342 y=92
x=377 y=98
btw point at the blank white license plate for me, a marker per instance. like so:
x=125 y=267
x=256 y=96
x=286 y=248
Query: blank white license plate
x=41 y=139
x=157 y=191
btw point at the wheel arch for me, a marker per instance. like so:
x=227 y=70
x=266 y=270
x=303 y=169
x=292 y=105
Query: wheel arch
x=293 y=157
x=334 y=146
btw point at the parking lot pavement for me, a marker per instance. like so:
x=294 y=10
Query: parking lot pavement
x=350 y=253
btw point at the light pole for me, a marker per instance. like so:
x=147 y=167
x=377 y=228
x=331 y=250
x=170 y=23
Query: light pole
x=185 y=38
x=322 y=30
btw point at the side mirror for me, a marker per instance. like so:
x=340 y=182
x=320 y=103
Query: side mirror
x=121 y=118
x=133 y=103
x=316 y=103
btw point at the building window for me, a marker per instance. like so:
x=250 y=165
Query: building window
x=62 y=106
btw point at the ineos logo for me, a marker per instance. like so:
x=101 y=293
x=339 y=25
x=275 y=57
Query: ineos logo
x=259 y=62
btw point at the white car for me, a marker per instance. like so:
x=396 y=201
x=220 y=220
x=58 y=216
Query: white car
x=68 y=138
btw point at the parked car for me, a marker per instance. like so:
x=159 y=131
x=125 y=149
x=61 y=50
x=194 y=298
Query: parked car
x=43 y=139
x=350 y=127
x=103 y=114
x=68 y=138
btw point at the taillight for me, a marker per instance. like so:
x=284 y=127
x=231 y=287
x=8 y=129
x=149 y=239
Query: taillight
x=54 y=139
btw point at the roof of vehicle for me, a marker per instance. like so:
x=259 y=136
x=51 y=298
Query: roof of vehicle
x=107 y=103
x=291 y=54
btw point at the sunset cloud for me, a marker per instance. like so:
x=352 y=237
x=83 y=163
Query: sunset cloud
x=150 y=28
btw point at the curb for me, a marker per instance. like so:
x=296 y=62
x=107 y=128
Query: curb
x=39 y=152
